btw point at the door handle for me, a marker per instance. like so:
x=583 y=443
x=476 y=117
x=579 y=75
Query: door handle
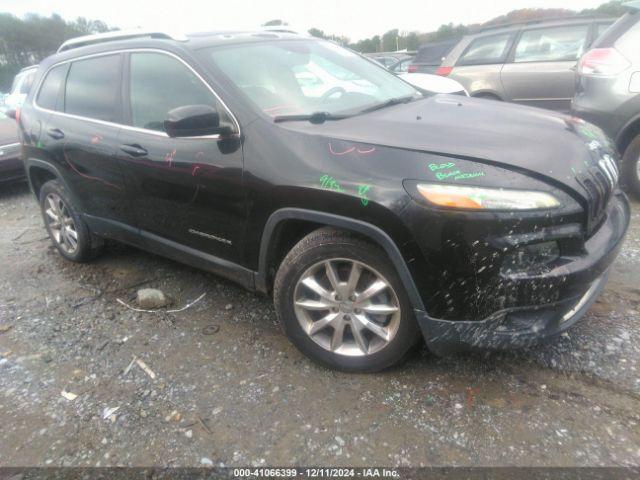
x=55 y=133
x=134 y=150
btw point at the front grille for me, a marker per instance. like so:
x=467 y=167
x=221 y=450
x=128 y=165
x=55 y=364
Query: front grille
x=599 y=182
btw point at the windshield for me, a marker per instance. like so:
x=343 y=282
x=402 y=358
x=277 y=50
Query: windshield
x=300 y=77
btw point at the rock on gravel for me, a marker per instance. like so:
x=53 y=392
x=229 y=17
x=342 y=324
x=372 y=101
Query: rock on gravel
x=150 y=298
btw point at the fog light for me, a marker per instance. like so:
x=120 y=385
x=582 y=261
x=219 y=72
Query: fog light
x=531 y=257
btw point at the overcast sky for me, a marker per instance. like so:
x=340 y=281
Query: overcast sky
x=356 y=19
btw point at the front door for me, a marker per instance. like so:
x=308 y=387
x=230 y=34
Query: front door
x=541 y=72
x=186 y=192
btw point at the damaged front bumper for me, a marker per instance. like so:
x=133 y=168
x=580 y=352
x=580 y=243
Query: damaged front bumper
x=586 y=276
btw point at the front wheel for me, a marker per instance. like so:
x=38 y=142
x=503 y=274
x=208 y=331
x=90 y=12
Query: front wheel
x=631 y=167
x=342 y=303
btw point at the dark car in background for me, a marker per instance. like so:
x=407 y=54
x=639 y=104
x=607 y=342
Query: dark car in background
x=430 y=57
x=11 y=167
x=608 y=90
x=371 y=213
x=531 y=63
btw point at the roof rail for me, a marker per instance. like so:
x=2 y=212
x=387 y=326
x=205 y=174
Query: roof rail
x=281 y=29
x=117 y=35
x=497 y=26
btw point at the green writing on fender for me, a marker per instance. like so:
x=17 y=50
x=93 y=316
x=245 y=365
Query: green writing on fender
x=442 y=176
x=442 y=166
x=328 y=182
x=362 y=193
x=463 y=176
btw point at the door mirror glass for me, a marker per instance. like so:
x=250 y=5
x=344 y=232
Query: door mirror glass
x=192 y=121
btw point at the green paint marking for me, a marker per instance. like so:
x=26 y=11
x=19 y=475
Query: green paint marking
x=329 y=183
x=362 y=193
x=442 y=176
x=464 y=176
x=441 y=166
x=40 y=144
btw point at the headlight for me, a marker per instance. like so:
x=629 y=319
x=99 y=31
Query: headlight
x=479 y=198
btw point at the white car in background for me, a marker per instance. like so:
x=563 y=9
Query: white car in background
x=433 y=84
x=20 y=88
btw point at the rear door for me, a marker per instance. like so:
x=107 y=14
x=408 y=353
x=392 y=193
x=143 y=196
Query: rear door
x=541 y=68
x=82 y=131
x=478 y=67
x=187 y=192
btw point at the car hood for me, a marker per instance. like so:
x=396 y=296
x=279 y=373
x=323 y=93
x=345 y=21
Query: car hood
x=550 y=145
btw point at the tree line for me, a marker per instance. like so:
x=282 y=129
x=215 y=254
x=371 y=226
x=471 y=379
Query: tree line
x=26 y=41
x=395 y=39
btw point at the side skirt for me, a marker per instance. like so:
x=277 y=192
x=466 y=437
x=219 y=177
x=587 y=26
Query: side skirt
x=173 y=250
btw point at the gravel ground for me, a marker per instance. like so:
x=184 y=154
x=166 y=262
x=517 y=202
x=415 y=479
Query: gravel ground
x=229 y=389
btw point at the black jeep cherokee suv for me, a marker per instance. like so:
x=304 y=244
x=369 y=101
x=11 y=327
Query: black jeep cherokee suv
x=293 y=166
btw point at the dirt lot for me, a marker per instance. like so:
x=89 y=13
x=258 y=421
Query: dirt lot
x=230 y=389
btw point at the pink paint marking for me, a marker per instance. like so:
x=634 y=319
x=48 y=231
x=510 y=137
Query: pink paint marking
x=89 y=177
x=96 y=139
x=361 y=151
x=168 y=158
x=194 y=170
x=348 y=150
x=366 y=152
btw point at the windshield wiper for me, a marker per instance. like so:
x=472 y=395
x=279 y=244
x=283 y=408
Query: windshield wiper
x=390 y=103
x=315 y=117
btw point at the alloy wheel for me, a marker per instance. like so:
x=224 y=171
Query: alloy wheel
x=347 y=307
x=61 y=224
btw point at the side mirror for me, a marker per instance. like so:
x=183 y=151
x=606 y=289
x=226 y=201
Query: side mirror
x=11 y=113
x=192 y=121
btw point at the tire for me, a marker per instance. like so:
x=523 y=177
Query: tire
x=631 y=167
x=55 y=201
x=396 y=332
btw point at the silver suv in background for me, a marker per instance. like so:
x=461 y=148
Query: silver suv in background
x=608 y=90
x=531 y=63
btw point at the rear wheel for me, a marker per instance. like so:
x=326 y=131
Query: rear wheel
x=342 y=303
x=68 y=232
x=631 y=167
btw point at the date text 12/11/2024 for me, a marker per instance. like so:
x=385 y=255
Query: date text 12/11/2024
x=316 y=472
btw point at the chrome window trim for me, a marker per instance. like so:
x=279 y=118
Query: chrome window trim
x=129 y=127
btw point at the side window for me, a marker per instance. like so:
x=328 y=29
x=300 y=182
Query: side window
x=159 y=83
x=486 y=50
x=555 y=44
x=93 y=88
x=50 y=89
x=402 y=66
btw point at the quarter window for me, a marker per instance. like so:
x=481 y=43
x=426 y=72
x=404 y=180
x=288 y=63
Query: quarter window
x=50 y=90
x=159 y=83
x=486 y=50
x=93 y=88
x=552 y=44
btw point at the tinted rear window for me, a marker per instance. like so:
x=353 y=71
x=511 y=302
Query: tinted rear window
x=611 y=36
x=50 y=90
x=433 y=54
x=93 y=88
